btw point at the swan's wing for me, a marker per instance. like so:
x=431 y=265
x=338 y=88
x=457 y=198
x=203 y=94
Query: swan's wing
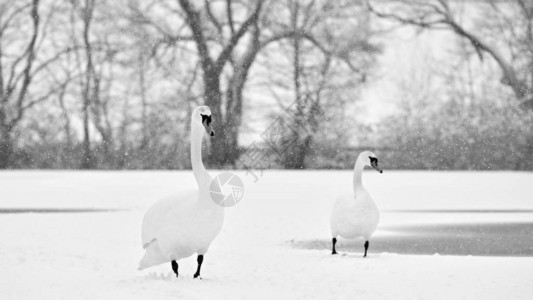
x=340 y=212
x=342 y=202
x=157 y=217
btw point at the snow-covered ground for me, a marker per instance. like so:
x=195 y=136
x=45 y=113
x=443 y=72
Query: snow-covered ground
x=275 y=243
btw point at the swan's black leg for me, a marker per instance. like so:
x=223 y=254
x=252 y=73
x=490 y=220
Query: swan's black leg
x=175 y=267
x=333 y=241
x=200 y=260
x=366 y=248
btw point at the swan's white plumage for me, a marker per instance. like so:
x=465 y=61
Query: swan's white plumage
x=179 y=226
x=355 y=215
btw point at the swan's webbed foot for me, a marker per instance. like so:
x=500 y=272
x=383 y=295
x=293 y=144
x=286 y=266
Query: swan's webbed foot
x=366 y=248
x=333 y=251
x=200 y=260
x=175 y=267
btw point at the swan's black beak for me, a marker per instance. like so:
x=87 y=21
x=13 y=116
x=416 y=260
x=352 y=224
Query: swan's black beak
x=209 y=131
x=374 y=165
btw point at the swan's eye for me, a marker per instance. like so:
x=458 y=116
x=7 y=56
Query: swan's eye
x=373 y=160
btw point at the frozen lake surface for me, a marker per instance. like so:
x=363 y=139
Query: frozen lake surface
x=76 y=235
x=488 y=239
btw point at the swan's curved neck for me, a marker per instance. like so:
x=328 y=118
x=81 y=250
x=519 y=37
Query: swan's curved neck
x=357 y=174
x=200 y=173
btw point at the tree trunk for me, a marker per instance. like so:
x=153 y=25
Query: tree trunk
x=6 y=92
x=234 y=97
x=6 y=147
x=294 y=157
x=527 y=163
x=221 y=152
x=234 y=114
x=224 y=149
x=144 y=107
x=86 y=160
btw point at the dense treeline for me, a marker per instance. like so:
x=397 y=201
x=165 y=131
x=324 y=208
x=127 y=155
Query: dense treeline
x=110 y=85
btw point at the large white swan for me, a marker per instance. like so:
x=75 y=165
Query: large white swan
x=179 y=226
x=356 y=215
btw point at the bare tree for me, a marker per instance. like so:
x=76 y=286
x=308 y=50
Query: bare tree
x=329 y=54
x=224 y=149
x=96 y=61
x=507 y=38
x=90 y=81
x=22 y=34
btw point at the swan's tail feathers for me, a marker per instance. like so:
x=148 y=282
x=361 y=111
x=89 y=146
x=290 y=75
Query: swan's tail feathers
x=152 y=256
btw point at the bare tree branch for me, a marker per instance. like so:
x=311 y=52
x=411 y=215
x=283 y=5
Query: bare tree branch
x=11 y=17
x=230 y=17
x=228 y=49
x=445 y=18
x=193 y=18
x=30 y=55
x=212 y=17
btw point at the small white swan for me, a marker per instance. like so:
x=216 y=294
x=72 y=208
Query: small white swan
x=356 y=215
x=179 y=226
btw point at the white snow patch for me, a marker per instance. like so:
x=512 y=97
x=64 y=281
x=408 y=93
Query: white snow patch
x=95 y=255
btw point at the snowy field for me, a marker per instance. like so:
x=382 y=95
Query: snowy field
x=443 y=235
